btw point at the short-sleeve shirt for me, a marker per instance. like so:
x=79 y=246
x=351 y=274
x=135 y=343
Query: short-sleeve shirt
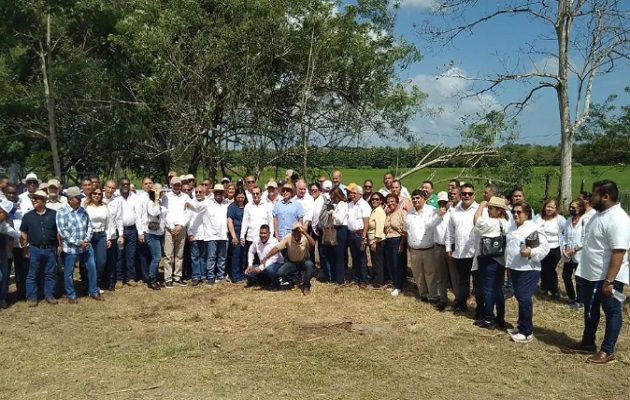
x=297 y=251
x=236 y=213
x=288 y=213
x=41 y=229
x=606 y=231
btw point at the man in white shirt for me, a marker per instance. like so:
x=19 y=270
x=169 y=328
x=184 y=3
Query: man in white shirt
x=255 y=215
x=267 y=273
x=250 y=183
x=16 y=255
x=358 y=216
x=604 y=270
x=32 y=184
x=420 y=227
x=114 y=208
x=460 y=243
x=442 y=263
x=307 y=202
x=132 y=214
x=271 y=194
x=55 y=201
x=388 y=179
x=177 y=220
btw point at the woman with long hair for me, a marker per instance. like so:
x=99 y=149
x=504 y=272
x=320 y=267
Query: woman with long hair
x=230 y=192
x=376 y=238
x=571 y=254
x=491 y=268
x=103 y=227
x=236 y=251
x=336 y=255
x=553 y=225
x=395 y=241
x=526 y=246
x=154 y=225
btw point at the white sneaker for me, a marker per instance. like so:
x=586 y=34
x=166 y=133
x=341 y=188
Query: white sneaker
x=395 y=292
x=520 y=338
x=512 y=331
x=101 y=291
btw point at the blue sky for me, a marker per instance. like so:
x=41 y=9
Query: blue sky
x=502 y=40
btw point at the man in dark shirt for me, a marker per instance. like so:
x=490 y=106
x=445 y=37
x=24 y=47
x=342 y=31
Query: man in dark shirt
x=39 y=231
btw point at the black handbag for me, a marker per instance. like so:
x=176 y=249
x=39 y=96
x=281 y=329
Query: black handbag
x=493 y=246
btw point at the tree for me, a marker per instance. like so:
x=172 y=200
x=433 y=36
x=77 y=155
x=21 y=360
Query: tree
x=589 y=38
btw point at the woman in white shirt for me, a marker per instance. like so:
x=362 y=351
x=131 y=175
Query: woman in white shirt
x=571 y=253
x=553 y=225
x=103 y=227
x=491 y=268
x=336 y=255
x=154 y=224
x=526 y=245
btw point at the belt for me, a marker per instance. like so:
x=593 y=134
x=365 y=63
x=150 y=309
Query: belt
x=441 y=245
x=358 y=232
x=103 y=231
x=130 y=227
x=426 y=248
x=43 y=246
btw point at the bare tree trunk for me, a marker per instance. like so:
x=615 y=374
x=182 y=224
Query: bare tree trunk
x=46 y=61
x=563 y=30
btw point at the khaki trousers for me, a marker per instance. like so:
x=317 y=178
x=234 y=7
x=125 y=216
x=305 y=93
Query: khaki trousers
x=425 y=273
x=174 y=253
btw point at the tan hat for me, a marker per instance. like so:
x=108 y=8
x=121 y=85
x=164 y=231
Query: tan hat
x=43 y=186
x=183 y=178
x=55 y=183
x=73 y=191
x=296 y=225
x=190 y=177
x=272 y=184
x=218 y=188
x=175 y=180
x=497 y=202
x=40 y=194
x=287 y=186
x=442 y=196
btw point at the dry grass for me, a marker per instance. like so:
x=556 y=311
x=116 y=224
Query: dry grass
x=232 y=342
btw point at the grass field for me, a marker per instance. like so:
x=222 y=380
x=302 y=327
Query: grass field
x=232 y=342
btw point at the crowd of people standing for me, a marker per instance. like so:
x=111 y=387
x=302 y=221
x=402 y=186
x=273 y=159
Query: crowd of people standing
x=267 y=235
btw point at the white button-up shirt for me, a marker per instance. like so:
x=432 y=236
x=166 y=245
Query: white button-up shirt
x=254 y=216
x=132 y=212
x=308 y=204
x=114 y=208
x=460 y=234
x=356 y=212
x=177 y=212
x=420 y=227
x=214 y=218
x=262 y=249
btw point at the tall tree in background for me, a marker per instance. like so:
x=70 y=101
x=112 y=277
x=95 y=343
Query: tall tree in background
x=583 y=40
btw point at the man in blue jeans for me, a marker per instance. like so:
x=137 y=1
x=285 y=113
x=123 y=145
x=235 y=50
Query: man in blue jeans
x=604 y=270
x=263 y=273
x=75 y=230
x=39 y=231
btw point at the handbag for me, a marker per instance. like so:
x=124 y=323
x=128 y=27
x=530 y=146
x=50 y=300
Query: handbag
x=329 y=233
x=493 y=246
x=154 y=225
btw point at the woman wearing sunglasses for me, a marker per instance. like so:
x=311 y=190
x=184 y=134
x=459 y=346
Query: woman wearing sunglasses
x=104 y=228
x=526 y=246
x=376 y=239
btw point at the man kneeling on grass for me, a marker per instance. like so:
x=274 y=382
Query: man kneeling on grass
x=298 y=268
x=263 y=273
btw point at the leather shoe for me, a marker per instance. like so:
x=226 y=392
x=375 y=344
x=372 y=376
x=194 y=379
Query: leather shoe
x=601 y=358
x=51 y=300
x=97 y=297
x=306 y=291
x=73 y=301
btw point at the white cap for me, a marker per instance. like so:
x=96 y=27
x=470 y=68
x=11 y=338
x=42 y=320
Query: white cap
x=327 y=185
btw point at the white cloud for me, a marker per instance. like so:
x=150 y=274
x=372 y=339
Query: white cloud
x=421 y=4
x=445 y=92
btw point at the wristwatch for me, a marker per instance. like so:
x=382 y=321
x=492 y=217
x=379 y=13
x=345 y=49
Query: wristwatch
x=608 y=282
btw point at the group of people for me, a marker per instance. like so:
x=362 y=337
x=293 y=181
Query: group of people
x=268 y=235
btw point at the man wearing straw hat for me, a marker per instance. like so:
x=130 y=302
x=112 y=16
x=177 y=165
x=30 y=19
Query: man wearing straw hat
x=286 y=212
x=39 y=231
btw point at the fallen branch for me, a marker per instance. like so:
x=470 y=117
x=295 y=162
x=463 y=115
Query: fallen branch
x=136 y=389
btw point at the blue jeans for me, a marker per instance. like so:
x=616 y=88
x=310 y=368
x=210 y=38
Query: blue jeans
x=593 y=299
x=359 y=258
x=198 y=250
x=126 y=263
x=238 y=261
x=268 y=276
x=99 y=244
x=48 y=259
x=87 y=258
x=525 y=283
x=394 y=261
x=215 y=267
x=154 y=245
x=292 y=271
x=335 y=256
x=491 y=280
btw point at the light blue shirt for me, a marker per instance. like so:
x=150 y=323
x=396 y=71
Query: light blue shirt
x=288 y=213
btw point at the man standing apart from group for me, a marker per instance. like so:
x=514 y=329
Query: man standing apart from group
x=604 y=270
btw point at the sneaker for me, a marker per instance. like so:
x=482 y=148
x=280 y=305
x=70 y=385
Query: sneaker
x=484 y=324
x=97 y=297
x=51 y=300
x=283 y=282
x=512 y=331
x=543 y=293
x=440 y=306
x=520 y=338
x=169 y=285
x=101 y=291
x=601 y=358
x=31 y=303
x=180 y=282
x=154 y=285
x=395 y=292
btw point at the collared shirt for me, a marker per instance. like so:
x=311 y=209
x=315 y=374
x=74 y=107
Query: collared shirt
x=7 y=229
x=16 y=216
x=195 y=227
x=287 y=213
x=376 y=225
x=115 y=211
x=573 y=238
x=177 y=212
x=214 y=218
x=356 y=214
x=57 y=203
x=296 y=251
x=74 y=226
x=132 y=211
x=254 y=216
x=606 y=231
x=554 y=230
x=403 y=192
x=433 y=200
x=420 y=227
x=340 y=213
x=439 y=235
x=317 y=210
x=264 y=198
x=262 y=249
x=25 y=203
x=40 y=228
x=513 y=240
x=395 y=223
x=308 y=205
x=460 y=234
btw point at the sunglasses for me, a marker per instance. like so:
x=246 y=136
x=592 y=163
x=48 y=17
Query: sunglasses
x=368 y=186
x=376 y=199
x=517 y=212
x=468 y=194
x=205 y=184
x=97 y=194
x=287 y=190
x=314 y=190
x=250 y=181
x=186 y=190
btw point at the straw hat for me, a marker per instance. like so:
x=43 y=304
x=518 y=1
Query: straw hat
x=497 y=202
